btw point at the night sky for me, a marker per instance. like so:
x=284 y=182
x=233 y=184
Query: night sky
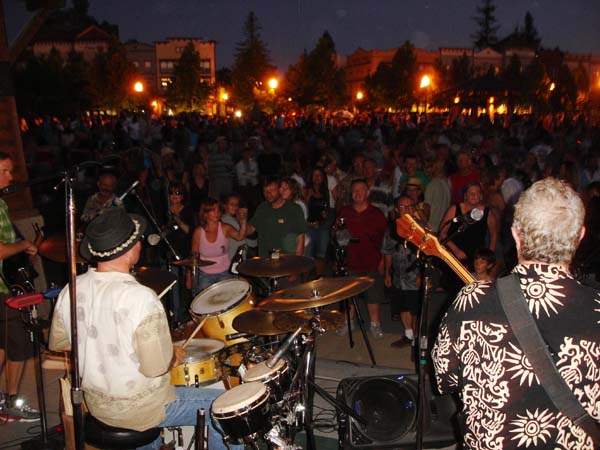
x=290 y=26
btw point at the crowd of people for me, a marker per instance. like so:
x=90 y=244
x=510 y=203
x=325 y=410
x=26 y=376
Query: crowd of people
x=215 y=189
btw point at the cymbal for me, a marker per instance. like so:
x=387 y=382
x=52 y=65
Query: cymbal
x=55 y=249
x=316 y=293
x=292 y=320
x=283 y=266
x=257 y=322
x=193 y=262
x=160 y=281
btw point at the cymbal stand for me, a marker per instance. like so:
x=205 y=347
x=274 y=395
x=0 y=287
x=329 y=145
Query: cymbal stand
x=305 y=377
x=342 y=271
x=150 y=216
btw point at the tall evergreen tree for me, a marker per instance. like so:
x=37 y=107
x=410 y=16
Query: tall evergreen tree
x=317 y=79
x=530 y=33
x=187 y=92
x=404 y=70
x=486 y=21
x=251 y=64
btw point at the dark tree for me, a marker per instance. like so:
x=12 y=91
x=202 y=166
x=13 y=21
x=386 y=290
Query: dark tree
x=530 y=33
x=404 y=70
x=316 y=78
x=111 y=76
x=251 y=64
x=535 y=85
x=81 y=7
x=461 y=70
x=188 y=92
x=486 y=21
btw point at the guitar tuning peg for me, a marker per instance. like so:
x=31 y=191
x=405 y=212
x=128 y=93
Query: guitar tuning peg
x=418 y=253
x=405 y=243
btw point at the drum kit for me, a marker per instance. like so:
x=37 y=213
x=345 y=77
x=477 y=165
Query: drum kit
x=269 y=377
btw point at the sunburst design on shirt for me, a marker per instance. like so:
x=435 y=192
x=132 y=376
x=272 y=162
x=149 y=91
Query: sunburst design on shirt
x=469 y=295
x=533 y=427
x=520 y=366
x=541 y=295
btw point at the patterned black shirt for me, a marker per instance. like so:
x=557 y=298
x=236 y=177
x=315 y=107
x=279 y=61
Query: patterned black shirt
x=477 y=355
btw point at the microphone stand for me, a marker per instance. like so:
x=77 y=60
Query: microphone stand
x=423 y=349
x=76 y=393
x=156 y=225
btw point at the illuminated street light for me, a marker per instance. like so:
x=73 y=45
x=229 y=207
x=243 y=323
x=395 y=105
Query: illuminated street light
x=224 y=96
x=273 y=83
x=138 y=86
x=359 y=95
x=552 y=87
x=456 y=100
x=425 y=81
x=238 y=113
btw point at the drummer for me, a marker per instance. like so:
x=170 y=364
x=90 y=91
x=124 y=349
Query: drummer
x=210 y=243
x=124 y=343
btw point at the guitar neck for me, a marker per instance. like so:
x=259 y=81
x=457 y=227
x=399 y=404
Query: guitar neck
x=460 y=270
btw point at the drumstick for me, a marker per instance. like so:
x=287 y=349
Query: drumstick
x=194 y=333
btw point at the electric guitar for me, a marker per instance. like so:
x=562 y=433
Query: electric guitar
x=409 y=229
x=18 y=272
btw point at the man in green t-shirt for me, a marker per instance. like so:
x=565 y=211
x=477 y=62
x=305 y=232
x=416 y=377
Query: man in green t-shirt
x=15 y=344
x=280 y=224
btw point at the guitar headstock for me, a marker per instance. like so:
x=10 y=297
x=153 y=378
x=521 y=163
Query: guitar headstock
x=408 y=228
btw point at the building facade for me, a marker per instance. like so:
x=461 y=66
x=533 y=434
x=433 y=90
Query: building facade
x=143 y=57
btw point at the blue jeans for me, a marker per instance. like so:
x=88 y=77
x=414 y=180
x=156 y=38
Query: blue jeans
x=204 y=280
x=182 y=411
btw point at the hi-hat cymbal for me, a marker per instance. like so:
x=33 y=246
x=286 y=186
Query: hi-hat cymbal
x=193 y=262
x=292 y=320
x=156 y=279
x=257 y=322
x=315 y=294
x=284 y=266
x=55 y=249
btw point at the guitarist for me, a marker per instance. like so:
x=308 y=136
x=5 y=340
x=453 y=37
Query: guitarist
x=15 y=345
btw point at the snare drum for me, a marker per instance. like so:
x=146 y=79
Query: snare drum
x=220 y=304
x=243 y=412
x=201 y=365
x=276 y=378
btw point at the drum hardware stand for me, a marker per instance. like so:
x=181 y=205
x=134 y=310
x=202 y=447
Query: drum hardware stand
x=306 y=376
x=342 y=271
x=34 y=327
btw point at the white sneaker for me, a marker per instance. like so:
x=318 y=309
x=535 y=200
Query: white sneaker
x=376 y=330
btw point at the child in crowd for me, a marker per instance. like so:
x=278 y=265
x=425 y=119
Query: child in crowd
x=483 y=264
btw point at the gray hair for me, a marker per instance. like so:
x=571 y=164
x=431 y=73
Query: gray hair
x=548 y=220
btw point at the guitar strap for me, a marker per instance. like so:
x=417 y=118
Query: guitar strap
x=535 y=349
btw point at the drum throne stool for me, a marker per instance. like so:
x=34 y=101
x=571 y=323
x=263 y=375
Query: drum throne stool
x=102 y=436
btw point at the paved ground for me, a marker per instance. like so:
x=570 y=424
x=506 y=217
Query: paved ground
x=336 y=361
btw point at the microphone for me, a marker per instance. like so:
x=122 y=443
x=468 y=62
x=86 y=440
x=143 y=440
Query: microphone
x=153 y=239
x=18 y=186
x=119 y=200
x=279 y=353
x=234 y=336
x=475 y=215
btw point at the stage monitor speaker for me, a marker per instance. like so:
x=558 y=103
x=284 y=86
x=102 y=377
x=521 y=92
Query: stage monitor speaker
x=389 y=404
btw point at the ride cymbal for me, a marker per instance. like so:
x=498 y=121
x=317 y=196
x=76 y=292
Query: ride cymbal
x=291 y=321
x=317 y=293
x=257 y=322
x=55 y=249
x=193 y=262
